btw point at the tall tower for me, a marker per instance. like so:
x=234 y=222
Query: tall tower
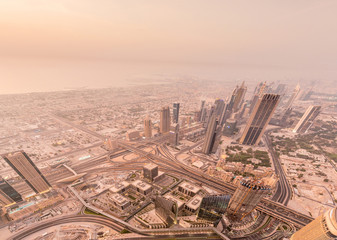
x=245 y=198
x=219 y=107
x=259 y=90
x=165 y=120
x=176 y=107
x=259 y=119
x=293 y=96
x=307 y=119
x=8 y=194
x=27 y=170
x=213 y=133
x=239 y=97
x=323 y=227
x=147 y=127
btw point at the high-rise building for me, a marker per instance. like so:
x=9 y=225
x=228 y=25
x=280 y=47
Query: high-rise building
x=174 y=134
x=259 y=119
x=166 y=210
x=213 y=134
x=259 y=90
x=239 y=97
x=176 y=107
x=285 y=116
x=293 y=97
x=165 y=120
x=28 y=171
x=147 y=127
x=307 y=119
x=245 y=198
x=281 y=88
x=323 y=227
x=307 y=95
x=219 y=107
x=8 y=194
x=203 y=115
x=230 y=127
x=213 y=207
x=150 y=171
x=202 y=105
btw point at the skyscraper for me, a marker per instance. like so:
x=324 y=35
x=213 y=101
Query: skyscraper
x=219 y=107
x=174 y=140
x=259 y=119
x=165 y=120
x=281 y=88
x=307 y=119
x=166 y=210
x=147 y=127
x=323 y=227
x=213 y=134
x=213 y=207
x=245 y=198
x=285 y=116
x=293 y=96
x=259 y=90
x=176 y=107
x=26 y=169
x=239 y=97
x=8 y=194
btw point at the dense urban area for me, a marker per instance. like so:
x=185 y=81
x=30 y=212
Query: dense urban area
x=172 y=160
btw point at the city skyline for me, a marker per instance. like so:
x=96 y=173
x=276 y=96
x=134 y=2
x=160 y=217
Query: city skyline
x=194 y=119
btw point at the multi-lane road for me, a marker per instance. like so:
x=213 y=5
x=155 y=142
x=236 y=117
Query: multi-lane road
x=283 y=191
x=67 y=219
x=267 y=206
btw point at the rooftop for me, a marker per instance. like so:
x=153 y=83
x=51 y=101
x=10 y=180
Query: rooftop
x=118 y=186
x=150 y=166
x=195 y=202
x=119 y=199
x=141 y=185
x=190 y=187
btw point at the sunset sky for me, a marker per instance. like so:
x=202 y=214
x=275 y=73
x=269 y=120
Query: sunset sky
x=53 y=45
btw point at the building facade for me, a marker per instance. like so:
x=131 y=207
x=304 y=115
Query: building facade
x=307 y=119
x=259 y=119
x=239 y=97
x=245 y=198
x=8 y=195
x=176 y=107
x=28 y=171
x=147 y=127
x=323 y=227
x=150 y=171
x=213 y=207
x=212 y=137
x=165 y=120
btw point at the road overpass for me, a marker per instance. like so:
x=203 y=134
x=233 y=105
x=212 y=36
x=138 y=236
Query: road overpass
x=267 y=206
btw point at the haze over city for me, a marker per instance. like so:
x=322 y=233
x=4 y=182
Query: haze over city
x=57 y=45
x=168 y=120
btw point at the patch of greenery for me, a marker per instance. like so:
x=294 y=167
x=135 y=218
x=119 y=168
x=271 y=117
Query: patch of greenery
x=125 y=231
x=90 y=212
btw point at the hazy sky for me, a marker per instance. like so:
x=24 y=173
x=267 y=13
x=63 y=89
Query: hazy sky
x=51 y=45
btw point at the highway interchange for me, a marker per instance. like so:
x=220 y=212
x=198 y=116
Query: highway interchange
x=276 y=207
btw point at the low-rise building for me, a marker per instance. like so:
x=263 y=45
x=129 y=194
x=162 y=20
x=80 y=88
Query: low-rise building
x=188 y=189
x=119 y=201
x=194 y=203
x=142 y=187
x=120 y=187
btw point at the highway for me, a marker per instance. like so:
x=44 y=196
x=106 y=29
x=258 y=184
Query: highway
x=283 y=191
x=267 y=206
x=67 y=219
